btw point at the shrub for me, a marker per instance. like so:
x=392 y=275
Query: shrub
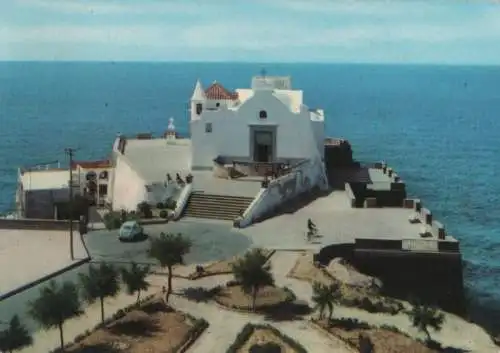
x=145 y=209
x=189 y=178
x=160 y=205
x=348 y=323
x=164 y=214
x=112 y=220
x=170 y=204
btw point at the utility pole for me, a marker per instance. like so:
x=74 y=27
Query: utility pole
x=69 y=152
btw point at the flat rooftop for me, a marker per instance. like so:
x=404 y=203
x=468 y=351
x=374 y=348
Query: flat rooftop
x=373 y=177
x=154 y=158
x=21 y=249
x=336 y=221
x=48 y=179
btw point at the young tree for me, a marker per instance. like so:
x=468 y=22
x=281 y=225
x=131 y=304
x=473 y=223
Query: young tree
x=424 y=316
x=135 y=279
x=55 y=305
x=325 y=296
x=253 y=273
x=169 y=250
x=15 y=336
x=100 y=283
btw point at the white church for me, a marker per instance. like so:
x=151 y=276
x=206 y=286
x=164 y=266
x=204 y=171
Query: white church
x=267 y=123
x=264 y=135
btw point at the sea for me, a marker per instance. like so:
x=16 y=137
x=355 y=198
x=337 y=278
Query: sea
x=437 y=126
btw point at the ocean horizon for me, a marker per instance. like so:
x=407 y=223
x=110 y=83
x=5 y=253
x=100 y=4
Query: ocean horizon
x=436 y=125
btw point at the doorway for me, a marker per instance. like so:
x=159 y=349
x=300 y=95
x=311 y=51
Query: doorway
x=263 y=143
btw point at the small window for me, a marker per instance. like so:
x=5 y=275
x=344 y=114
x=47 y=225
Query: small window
x=263 y=114
x=217 y=104
x=103 y=175
x=103 y=189
x=199 y=108
x=91 y=176
x=208 y=127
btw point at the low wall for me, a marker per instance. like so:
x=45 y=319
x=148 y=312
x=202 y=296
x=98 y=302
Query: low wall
x=182 y=200
x=305 y=177
x=350 y=195
x=36 y=224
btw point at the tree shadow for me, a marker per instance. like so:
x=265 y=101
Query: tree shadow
x=98 y=348
x=156 y=306
x=201 y=294
x=289 y=311
x=140 y=327
x=437 y=346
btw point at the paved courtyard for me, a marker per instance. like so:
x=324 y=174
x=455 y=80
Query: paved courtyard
x=337 y=222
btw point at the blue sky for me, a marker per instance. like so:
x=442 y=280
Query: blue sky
x=447 y=32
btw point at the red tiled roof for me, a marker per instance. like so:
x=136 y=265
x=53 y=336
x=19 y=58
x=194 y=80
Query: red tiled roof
x=92 y=164
x=217 y=91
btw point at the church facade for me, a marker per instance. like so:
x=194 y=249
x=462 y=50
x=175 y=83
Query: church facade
x=266 y=123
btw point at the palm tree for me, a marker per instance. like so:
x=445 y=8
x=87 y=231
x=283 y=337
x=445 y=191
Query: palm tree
x=100 y=283
x=325 y=296
x=15 y=336
x=55 y=305
x=135 y=279
x=253 y=273
x=424 y=316
x=169 y=250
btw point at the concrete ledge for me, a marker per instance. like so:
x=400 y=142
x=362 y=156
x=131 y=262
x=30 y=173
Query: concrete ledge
x=144 y=221
x=426 y=216
x=438 y=230
x=43 y=279
x=350 y=195
x=417 y=205
x=41 y=224
x=409 y=203
x=399 y=186
x=370 y=202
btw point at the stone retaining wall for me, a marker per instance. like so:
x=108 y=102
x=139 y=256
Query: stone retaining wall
x=36 y=224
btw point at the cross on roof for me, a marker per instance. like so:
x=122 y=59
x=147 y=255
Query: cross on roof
x=263 y=72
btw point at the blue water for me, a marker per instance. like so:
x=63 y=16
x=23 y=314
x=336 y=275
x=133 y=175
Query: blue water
x=437 y=126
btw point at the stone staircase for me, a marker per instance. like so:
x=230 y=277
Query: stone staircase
x=211 y=206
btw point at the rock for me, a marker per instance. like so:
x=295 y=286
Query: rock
x=340 y=269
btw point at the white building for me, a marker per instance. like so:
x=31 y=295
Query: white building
x=238 y=139
x=267 y=123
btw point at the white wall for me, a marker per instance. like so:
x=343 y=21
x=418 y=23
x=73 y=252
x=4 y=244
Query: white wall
x=318 y=128
x=128 y=187
x=287 y=187
x=231 y=130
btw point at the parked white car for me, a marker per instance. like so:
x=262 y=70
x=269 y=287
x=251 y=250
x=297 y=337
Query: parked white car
x=130 y=230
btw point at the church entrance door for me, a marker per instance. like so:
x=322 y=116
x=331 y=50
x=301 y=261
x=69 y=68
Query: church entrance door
x=263 y=146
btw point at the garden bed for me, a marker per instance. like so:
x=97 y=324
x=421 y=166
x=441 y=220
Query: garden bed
x=152 y=327
x=387 y=340
x=253 y=334
x=353 y=296
x=234 y=297
x=222 y=267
